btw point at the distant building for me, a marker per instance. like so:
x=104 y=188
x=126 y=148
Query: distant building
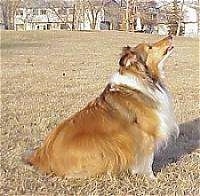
x=147 y=16
x=41 y=15
x=53 y=15
x=190 y=22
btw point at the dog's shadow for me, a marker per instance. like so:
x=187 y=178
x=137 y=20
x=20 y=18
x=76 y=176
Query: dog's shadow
x=187 y=142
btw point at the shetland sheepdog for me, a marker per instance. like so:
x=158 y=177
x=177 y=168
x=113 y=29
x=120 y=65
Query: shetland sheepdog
x=122 y=128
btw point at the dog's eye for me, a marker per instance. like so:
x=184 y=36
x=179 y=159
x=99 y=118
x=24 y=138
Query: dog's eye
x=150 y=47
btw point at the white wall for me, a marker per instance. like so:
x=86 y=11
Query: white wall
x=190 y=14
x=2 y=26
x=191 y=29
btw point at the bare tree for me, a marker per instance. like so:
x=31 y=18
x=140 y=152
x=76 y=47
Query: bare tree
x=174 y=12
x=148 y=14
x=198 y=11
x=140 y=13
x=93 y=9
x=62 y=13
x=8 y=11
x=80 y=10
x=180 y=18
x=127 y=15
x=113 y=15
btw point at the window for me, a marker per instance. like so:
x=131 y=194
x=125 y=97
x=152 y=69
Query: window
x=48 y=26
x=35 y=12
x=43 y=12
x=64 y=26
x=19 y=12
x=62 y=11
x=71 y=11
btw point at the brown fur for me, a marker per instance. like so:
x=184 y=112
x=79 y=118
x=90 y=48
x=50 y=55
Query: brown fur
x=111 y=133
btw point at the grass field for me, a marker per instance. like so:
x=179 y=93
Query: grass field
x=47 y=76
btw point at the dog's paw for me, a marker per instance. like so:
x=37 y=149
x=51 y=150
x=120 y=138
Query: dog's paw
x=133 y=171
x=151 y=176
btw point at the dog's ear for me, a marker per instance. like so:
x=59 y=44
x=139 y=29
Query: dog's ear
x=128 y=57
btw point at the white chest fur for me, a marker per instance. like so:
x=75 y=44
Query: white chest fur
x=168 y=126
x=164 y=112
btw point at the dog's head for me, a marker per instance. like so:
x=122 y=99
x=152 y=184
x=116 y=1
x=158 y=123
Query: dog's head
x=146 y=60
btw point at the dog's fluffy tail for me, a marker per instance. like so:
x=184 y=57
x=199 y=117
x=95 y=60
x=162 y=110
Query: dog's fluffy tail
x=37 y=158
x=26 y=156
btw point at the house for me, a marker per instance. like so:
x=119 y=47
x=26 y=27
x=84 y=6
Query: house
x=144 y=16
x=43 y=15
x=190 y=22
x=55 y=15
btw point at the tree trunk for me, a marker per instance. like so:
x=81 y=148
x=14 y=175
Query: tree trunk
x=178 y=28
x=93 y=25
x=180 y=19
x=127 y=15
x=73 y=20
x=93 y=18
x=9 y=10
x=198 y=19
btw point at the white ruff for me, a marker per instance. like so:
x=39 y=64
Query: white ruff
x=128 y=80
x=165 y=112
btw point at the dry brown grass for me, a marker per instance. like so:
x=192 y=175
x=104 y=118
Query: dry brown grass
x=47 y=76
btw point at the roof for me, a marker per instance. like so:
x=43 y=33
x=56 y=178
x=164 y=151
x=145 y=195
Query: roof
x=45 y=3
x=59 y=3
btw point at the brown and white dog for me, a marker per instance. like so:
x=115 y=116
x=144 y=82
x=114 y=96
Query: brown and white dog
x=122 y=128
